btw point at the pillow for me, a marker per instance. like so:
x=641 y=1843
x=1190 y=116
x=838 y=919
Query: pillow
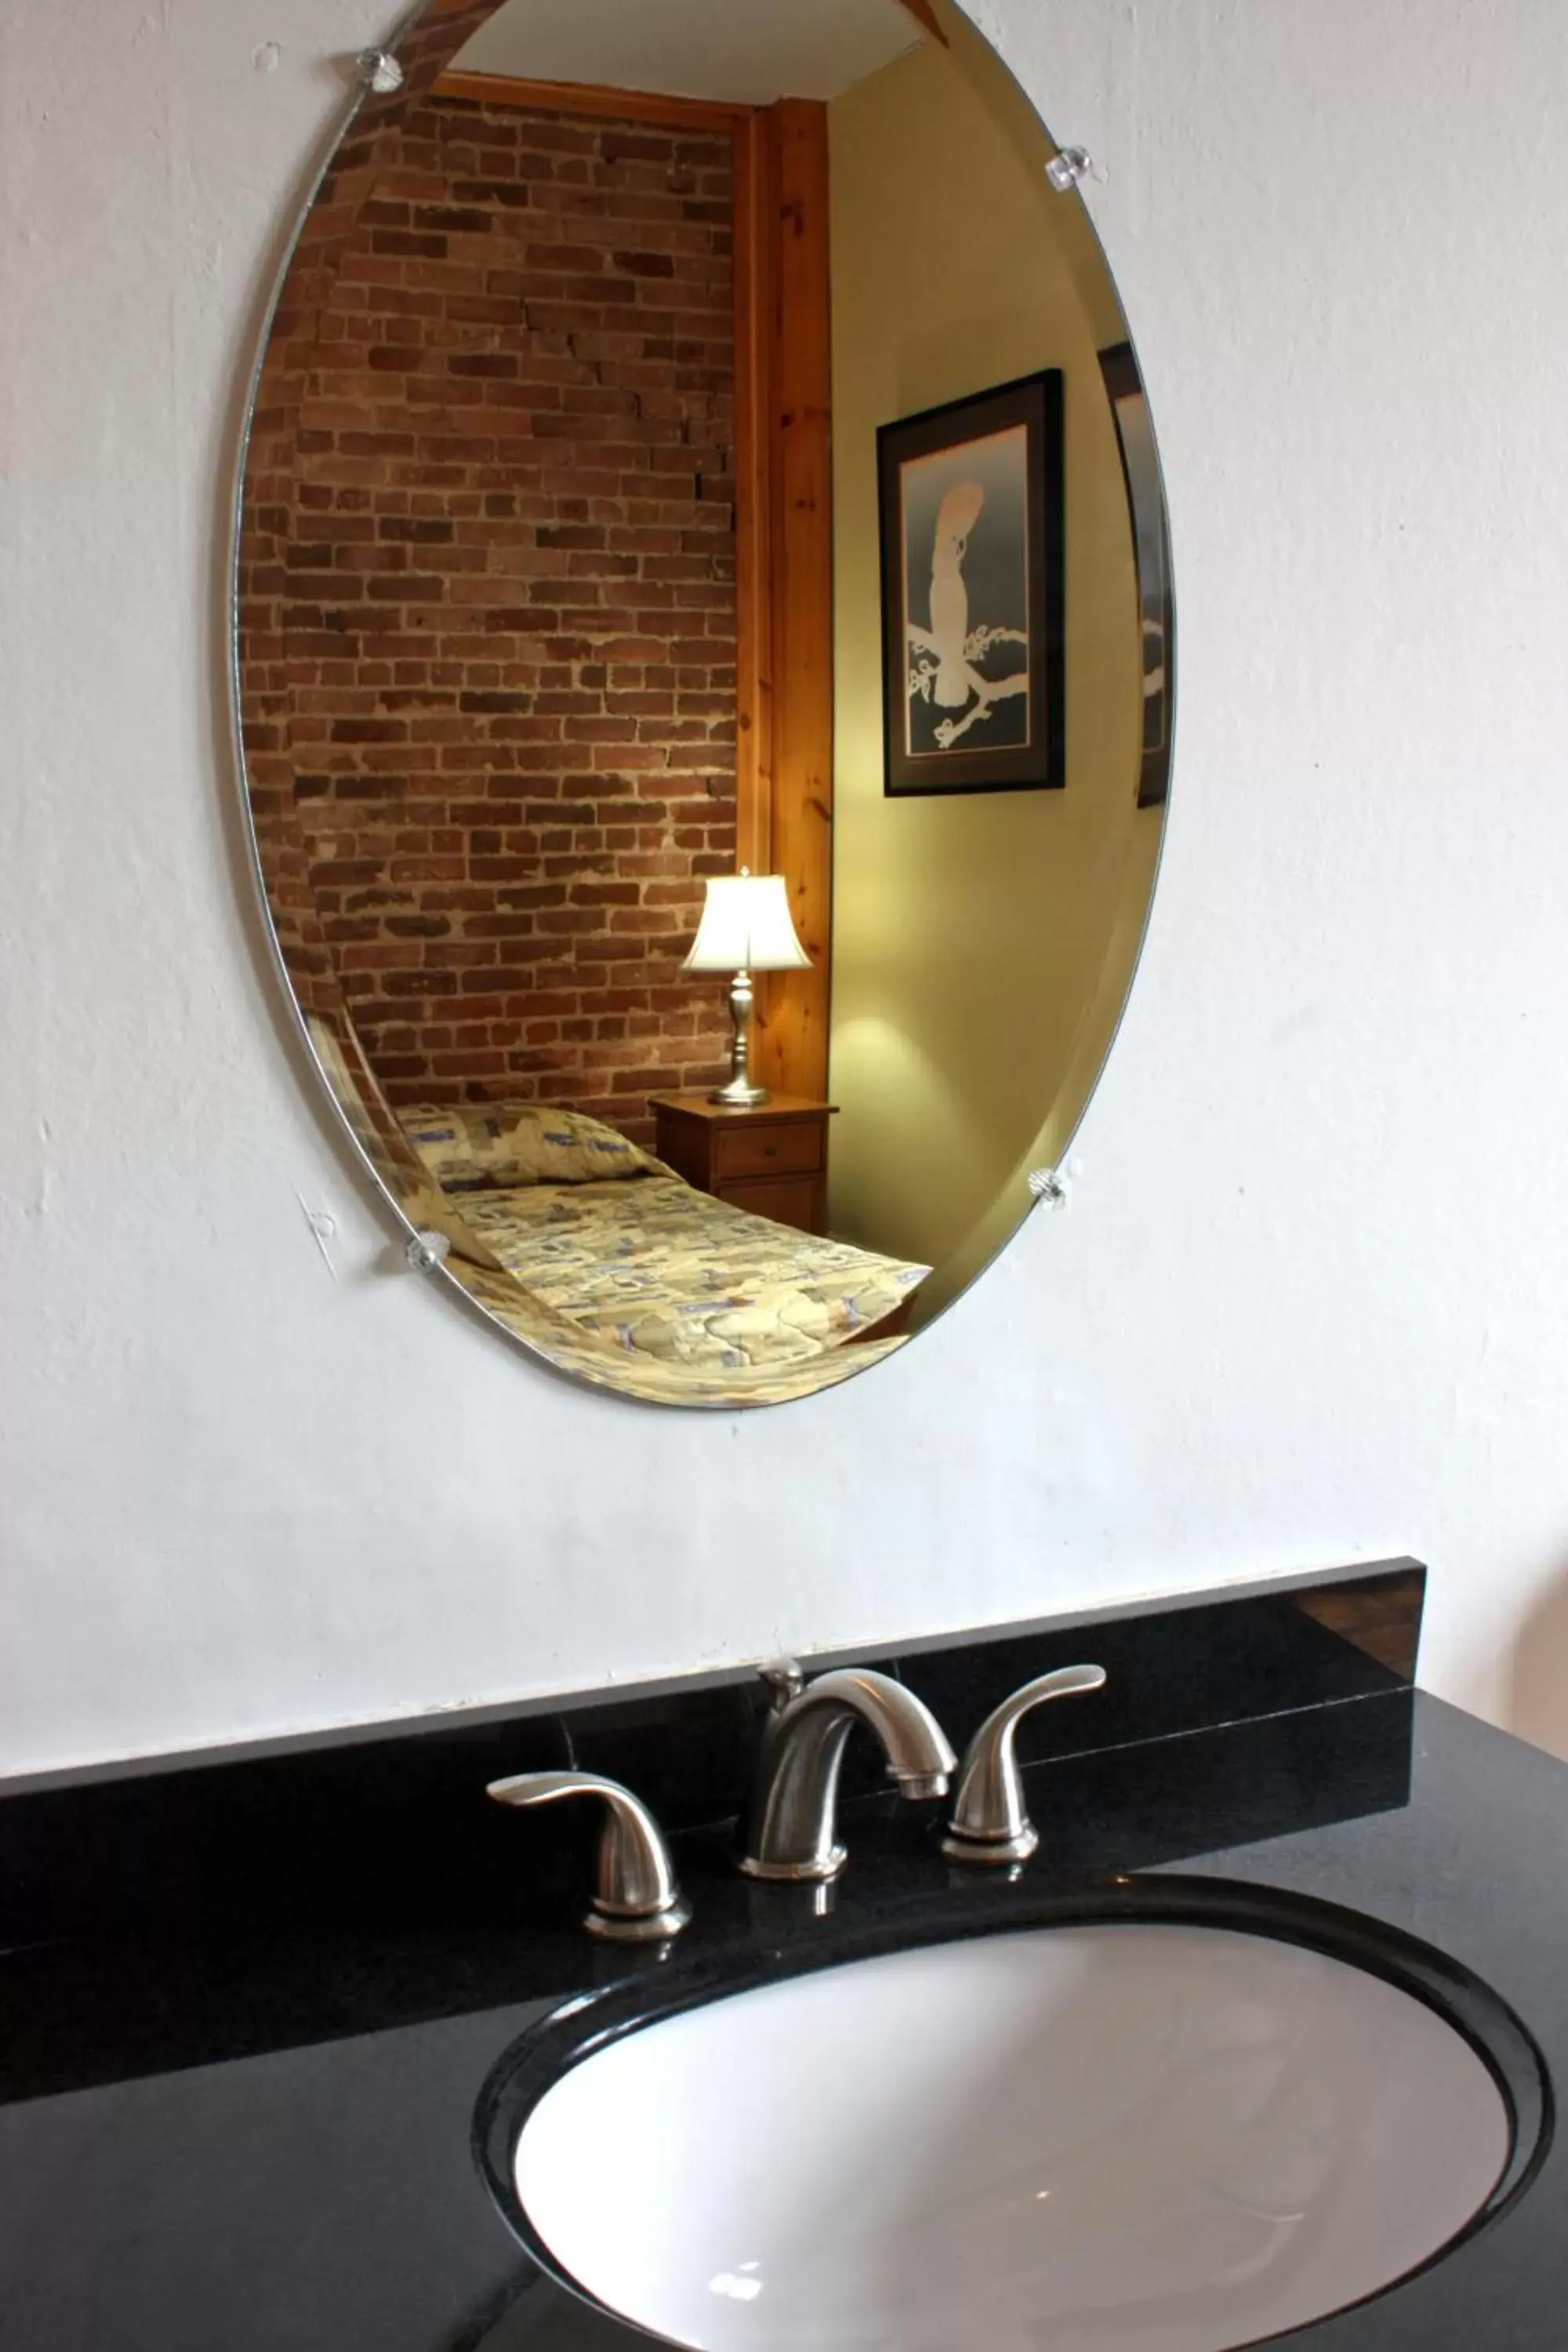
x=493 y=1147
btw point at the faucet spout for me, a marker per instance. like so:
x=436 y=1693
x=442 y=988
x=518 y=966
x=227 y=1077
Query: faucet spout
x=793 y=1833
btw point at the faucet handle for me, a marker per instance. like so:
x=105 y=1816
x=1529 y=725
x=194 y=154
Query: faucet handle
x=636 y=1898
x=990 y=1822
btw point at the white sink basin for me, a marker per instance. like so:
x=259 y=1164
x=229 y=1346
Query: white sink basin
x=1126 y=2136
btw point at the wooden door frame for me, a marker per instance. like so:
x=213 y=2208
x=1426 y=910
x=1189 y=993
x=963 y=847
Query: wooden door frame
x=784 y=542
x=784 y=518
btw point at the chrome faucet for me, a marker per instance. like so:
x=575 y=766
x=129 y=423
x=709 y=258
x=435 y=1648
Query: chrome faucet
x=636 y=1899
x=793 y=1828
x=990 y=1821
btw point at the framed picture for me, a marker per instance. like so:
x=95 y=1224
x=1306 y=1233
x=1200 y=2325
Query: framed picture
x=1152 y=551
x=971 y=498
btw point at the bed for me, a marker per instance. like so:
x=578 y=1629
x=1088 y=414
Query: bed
x=606 y=1262
x=643 y=1272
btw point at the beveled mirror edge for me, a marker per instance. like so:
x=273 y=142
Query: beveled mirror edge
x=988 y=1239
x=297 y=1022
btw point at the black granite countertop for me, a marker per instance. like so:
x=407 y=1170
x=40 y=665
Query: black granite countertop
x=219 y=2135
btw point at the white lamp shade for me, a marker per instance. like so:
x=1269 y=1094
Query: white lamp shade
x=746 y=927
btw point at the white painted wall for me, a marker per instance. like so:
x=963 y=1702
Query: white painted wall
x=1310 y=1300
x=750 y=52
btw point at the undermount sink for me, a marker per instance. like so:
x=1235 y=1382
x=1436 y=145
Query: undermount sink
x=1128 y=2134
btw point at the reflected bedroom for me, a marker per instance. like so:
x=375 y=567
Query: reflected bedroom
x=704 y=654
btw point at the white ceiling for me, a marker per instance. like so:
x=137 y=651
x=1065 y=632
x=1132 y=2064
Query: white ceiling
x=746 y=51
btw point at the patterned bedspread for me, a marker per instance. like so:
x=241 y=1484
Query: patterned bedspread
x=653 y=1269
x=639 y=1285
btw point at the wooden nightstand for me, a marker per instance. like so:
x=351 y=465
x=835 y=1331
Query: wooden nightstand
x=772 y=1160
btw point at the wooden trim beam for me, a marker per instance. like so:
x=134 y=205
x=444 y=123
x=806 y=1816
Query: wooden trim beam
x=792 y=1029
x=755 y=177
x=591 y=97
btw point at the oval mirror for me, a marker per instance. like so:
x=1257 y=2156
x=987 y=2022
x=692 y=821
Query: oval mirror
x=703 y=666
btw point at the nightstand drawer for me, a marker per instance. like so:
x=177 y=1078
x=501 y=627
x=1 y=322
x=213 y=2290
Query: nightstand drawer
x=761 y=1150
x=787 y=1200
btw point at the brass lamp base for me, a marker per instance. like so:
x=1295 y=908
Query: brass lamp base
x=741 y=1091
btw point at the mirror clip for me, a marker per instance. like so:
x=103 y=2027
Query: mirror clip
x=427 y=1251
x=1066 y=169
x=379 y=71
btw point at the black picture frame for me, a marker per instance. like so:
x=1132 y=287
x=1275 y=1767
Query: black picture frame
x=978 y=483
x=1152 y=556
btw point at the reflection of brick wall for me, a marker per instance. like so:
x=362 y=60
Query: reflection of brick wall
x=507 y=628
x=270 y=501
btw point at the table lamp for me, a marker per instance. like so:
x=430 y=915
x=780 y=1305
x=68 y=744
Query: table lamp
x=745 y=927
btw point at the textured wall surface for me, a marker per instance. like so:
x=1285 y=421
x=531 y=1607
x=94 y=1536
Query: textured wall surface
x=489 y=601
x=1307 y=1304
x=970 y=930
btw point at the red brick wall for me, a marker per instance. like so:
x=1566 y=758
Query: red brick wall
x=265 y=689
x=505 y=630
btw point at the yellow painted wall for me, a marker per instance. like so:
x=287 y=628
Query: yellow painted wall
x=971 y=932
